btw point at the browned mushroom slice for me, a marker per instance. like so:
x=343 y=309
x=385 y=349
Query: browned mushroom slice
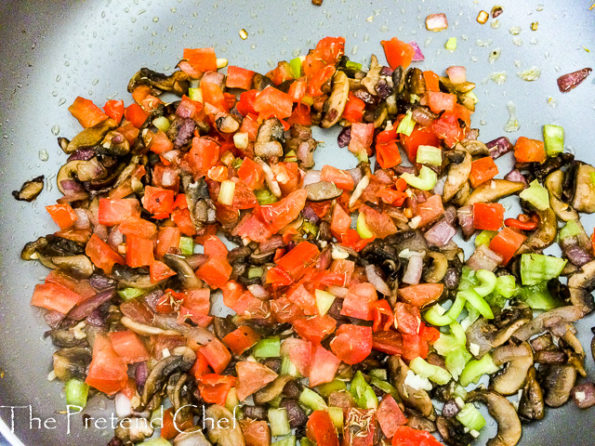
x=557 y=383
x=373 y=76
x=580 y=285
x=458 y=173
x=91 y=135
x=223 y=431
x=502 y=410
x=268 y=144
x=544 y=235
x=79 y=266
x=323 y=190
x=519 y=359
x=185 y=272
x=493 y=191
x=417 y=399
x=476 y=148
x=71 y=362
x=176 y=83
x=191 y=437
x=436 y=272
x=336 y=102
x=29 y=190
x=531 y=405
x=550 y=318
x=584 y=190
x=483 y=336
x=563 y=211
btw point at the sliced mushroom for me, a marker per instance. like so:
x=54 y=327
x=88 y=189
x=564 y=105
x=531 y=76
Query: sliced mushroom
x=222 y=429
x=185 y=272
x=29 y=190
x=483 y=336
x=502 y=410
x=563 y=211
x=79 y=266
x=272 y=390
x=548 y=319
x=176 y=83
x=584 y=189
x=462 y=195
x=531 y=404
x=336 y=102
x=114 y=144
x=201 y=207
x=227 y=124
x=436 y=272
x=476 y=148
x=129 y=277
x=585 y=278
x=192 y=437
x=134 y=430
x=295 y=414
x=544 y=235
x=71 y=362
x=493 y=191
x=453 y=432
x=146 y=330
x=519 y=359
x=182 y=359
x=372 y=76
x=458 y=173
x=66 y=338
x=268 y=144
x=415 y=82
x=323 y=190
x=91 y=136
x=81 y=171
x=557 y=383
x=415 y=398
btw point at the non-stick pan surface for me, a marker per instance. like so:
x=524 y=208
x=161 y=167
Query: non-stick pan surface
x=52 y=51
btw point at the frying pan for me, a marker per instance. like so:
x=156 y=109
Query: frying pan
x=52 y=51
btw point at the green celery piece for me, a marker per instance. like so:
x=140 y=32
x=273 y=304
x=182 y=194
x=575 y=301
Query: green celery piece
x=267 y=348
x=433 y=372
x=265 y=196
x=295 y=66
x=255 y=271
x=487 y=281
x=381 y=374
x=536 y=195
x=289 y=368
x=336 y=414
x=451 y=44
x=312 y=400
x=468 y=279
x=538 y=297
x=186 y=246
x=425 y=181
x=506 y=286
x=537 y=268
x=195 y=94
x=336 y=385
x=476 y=368
x=76 y=392
x=279 y=422
x=456 y=360
x=362 y=392
x=130 y=293
x=285 y=441
x=351 y=65
x=434 y=316
x=471 y=417
x=553 y=138
x=477 y=302
x=407 y=124
x=458 y=332
x=472 y=316
x=309 y=228
x=429 y=155
x=484 y=238
x=162 y=123
x=384 y=386
x=571 y=229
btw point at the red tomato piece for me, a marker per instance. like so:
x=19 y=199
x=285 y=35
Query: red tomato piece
x=168 y=239
x=379 y=223
x=114 y=109
x=203 y=155
x=316 y=328
x=159 y=271
x=340 y=221
x=528 y=150
x=158 y=201
x=506 y=243
x=216 y=354
x=251 y=174
x=296 y=261
x=301 y=297
x=352 y=343
x=407 y=436
x=407 y=318
x=113 y=211
x=430 y=210
x=354 y=109
x=160 y=143
x=421 y=295
x=201 y=59
x=482 y=170
x=128 y=346
x=488 y=216
x=359 y=300
x=214 y=388
x=447 y=128
x=252 y=376
x=397 y=53
x=321 y=430
x=323 y=367
x=241 y=339
x=284 y=211
x=238 y=77
x=272 y=102
x=55 y=297
x=256 y=433
x=341 y=179
x=382 y=315
x=135 y=115
x=215 y=272
x=102 y=255
x=362 y=136
x=181 y=217
x=139 y=251
x=196 y=306
x=390 y=416
x=62 y=214
x=86 y=112
x=138 y=227
x=107 y=371
x=300 y=353
x=420 y=136
x=440 y=102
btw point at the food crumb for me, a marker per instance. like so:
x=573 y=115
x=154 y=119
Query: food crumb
x=495 y=24
x=531 y=74
x=499 y=77
x=482 y=17
x=515 y=30
x=243 y=34
x=517 y=41
x=512 y=125
x=534 y=26
x=317 y=2
x=494 y=55
x=496 y=11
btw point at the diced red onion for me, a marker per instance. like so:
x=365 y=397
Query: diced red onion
x=439 y=187
x=484 y=258
x=311 y=177
x=122 y=405
x=584 y=395
x=85 y=308
x=82 y=154
x=153 y=298
x=115 y=238
x=414 y=269
x=100 y=231
x=171 y=155
x=325 y=259
x=569 y=81
x=101 y=282
x=450 y=215
x=53 y=318
x=82 y=219
x=185 y=110
x=457 y=74
x=383 y=177
x=338 y=291
x=517 y=176
x=440 y=234
x=141 y=373
x=422 y=115
x=375 y=279
x=465 y=218
x=344 y=137
x=258 y=291
x=310 y=214
x=404 y=169
x=96 y=318
x=169 y=178
x=499 y=146
x=471 y=135
x=577 y=255
x=436 y=22
x=271 y=244
x=196 y=260
x=418 y=56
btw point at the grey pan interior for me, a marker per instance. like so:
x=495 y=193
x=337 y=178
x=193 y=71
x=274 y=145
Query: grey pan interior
x=51 y=51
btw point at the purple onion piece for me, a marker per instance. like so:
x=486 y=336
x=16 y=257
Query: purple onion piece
x=414 y=269
x=484 y=258
x=471 y=135
x=465 y=218
x=53 y=318
x=141 y=373
x=450 y=409
x=309 y=213
x=152 y=298
x=386 y=71
x=344 y=137
x=271 y=244
x=311 y=177
x=499 y=146
x=577 y=255
x=440 y=234
x=96 y=318
x=101 y=282
x=418 y=56
x=258 y=291
x=325 y=259
x=85 y=308
x=569 y=81
x=450 y=215
x=185 y=132
x=404 y=169
x=584 y=395
x=82 y=154
x=516 y=175
x=375 y=279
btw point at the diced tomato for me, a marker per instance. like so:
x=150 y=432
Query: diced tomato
x=135 y=115
x=315 y=328
x=253 y=228
x=272 y=102
x=246 y=103
x=298 y=259
x=201 y=59
x=407 y=436
x=430 y=210
x=440 y=102
x=213 y=94
x=407 y=318
x=341 y=179
x=284 y=211
x=114 y=109
x=138 y=227
x=113 y=211
x=287 y=175
x=168 y=429
x=359 y=301
x=189 y=108
x=214 y=247
x=387 y=151
x=297 y=90
x=421 y=295
x=462 y=113
x=482 y=170
x=362 y=136
x=62 y=214
x=448 y=129
x=167 y=239
x=102 y=255
x=215 y=272
x=352 y=343
x=281 y=73
x=216 y=355
x=55 y=297
x=128 y=346
x=252 y=376
x=317 y=79
x=354 y=109
x=203 y=155
x=241 y=339
x=139 y=251
x=379 y=223
x=256 y=433
x=300 y=115
x=196 y=306
x=528 y=150
x=238 y=77
x=488 y=216
x=420 y=136
x=301 y=297
x=81 y=287
x=397 y=53
x=506 y=243
x=158 y=201
x=359 y=427
x=86 y=112
x=323 y=367
x=214 y=388
x=251 y=174
x=382 y=315
x=432 y=81
x=390 y=416
x=159 y=271
x=107 y=371
x=320 y=429
x=340 y=221
x=160 y=143
x=300 y=353
x=182 y=219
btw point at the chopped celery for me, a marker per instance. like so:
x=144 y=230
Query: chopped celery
x=155 y=442
x=553 y=138
x=309 y=228
x=362 y=392
x=130 y=293
x=506 y=286
x=451 y=44
x=351 y=65
x=472 y=316
x=406 y=125
x=186 y=246
x=285 y=441
x=336 y=414
x=162 y=123
x=379 y=373
x=436 y=315
x=312 y=400
x=288 y=367
x=362 y=156
x=195 y=94
x=425 y=181
x=538 y=297
x=537 y=268
x=456 y=360
x=324 y=301
x=226 y=192
x=383 y=385
x=468 y=279
x=267 y=348
x=156 y=418
x=571 y=229
x=237 y=162
x=76 y=392
x=536 y=195
x=429 y=155
x=232 y=399
x=335 y=385
x=433 y=372
x=295 y=66
x=458 y=332
x=476 y=368
x=362 y=227
x=470 y=417
x=477 y=302
x=484 y=238
x=265 y=196
x=487 y=281
x=279 y=422
x=255 y=271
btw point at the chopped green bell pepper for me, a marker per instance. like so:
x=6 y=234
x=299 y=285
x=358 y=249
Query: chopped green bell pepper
x=186 y=246
x=433 y=372
x=470 y=417
x=425 y=181
x=538 y=297
x=537 y=268
x=76 y=392
x=267 y=348
x=553 y=138
x=429 y=155
x=477 y=302
x=476 y=368
x=362 y=392
x=536 y=195
x=406 y=125
x=484 y=238
x=312 y=400
x=487 y=281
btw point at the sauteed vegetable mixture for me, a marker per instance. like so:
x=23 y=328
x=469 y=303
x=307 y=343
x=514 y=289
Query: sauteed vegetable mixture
x=353 y=317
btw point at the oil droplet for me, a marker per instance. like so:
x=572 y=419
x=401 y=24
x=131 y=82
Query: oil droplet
x=58 y=78
x=243 y=34
x=56 y=129
x=44 y=155
x=95 y=82
x=62 y=101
